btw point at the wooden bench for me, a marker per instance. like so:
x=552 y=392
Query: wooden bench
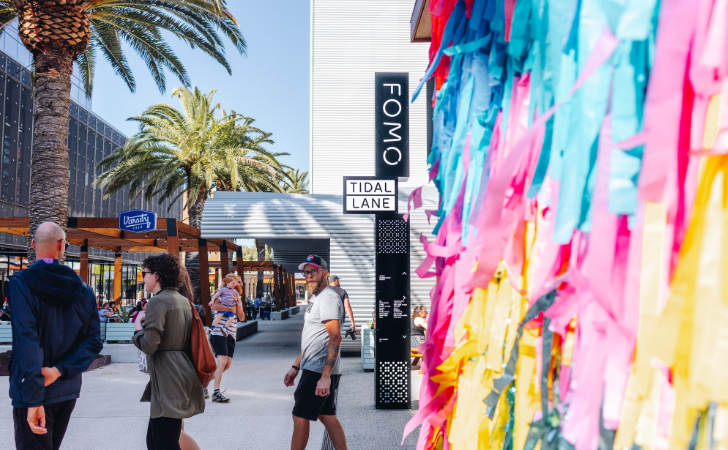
x=415 y=353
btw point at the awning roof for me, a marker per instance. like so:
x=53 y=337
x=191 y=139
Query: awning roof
x=104 y=233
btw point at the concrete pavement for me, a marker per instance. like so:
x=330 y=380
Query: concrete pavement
x=109 y=415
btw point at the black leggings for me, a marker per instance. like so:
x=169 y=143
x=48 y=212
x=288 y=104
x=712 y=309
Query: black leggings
x=163 y=433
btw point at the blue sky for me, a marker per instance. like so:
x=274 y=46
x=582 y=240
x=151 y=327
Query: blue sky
x=271 y=84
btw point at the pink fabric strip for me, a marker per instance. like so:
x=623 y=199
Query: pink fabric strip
x=665 y=96
x=429 y=213
x=414 y=198
x=489 y=220
x=435 y=169
x=445 y=252
x=425 y=410
x=632 y=142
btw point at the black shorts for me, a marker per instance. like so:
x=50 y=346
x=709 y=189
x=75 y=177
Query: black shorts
x=308 y=404
x=223 y=345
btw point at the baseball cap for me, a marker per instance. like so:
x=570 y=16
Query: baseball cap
x=314 y=260
x=333 y=278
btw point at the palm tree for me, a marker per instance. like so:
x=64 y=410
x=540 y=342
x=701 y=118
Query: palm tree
x=190 y=151
x=294 y=182
x=59 y=32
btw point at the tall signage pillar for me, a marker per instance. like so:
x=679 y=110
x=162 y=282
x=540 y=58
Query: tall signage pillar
x=393 y=376
x=378 y=195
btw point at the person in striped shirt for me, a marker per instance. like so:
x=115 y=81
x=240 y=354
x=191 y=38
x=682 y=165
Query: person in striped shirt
x=223 y=338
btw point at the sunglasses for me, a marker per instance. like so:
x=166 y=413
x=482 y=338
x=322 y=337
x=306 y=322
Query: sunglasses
x=144 y=274
x=311 y=273
x=59 y=240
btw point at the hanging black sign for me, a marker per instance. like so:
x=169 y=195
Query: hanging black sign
x=391 y=115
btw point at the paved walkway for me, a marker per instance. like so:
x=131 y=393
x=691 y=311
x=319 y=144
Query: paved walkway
x=108 y=415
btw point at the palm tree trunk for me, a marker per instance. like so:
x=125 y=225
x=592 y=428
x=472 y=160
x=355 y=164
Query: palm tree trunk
x=49 y=163
x=260 y=246
x=192 y=259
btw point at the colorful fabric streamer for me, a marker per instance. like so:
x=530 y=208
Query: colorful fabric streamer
x=580 y=149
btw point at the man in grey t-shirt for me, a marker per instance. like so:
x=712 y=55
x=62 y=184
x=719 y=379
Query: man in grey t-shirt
x=319 y=363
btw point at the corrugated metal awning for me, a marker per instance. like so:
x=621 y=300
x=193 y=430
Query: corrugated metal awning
x=296 y=223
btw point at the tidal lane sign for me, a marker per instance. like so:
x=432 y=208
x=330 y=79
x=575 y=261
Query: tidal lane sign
x=366 y=195
x=391 y=115
x=137 y=221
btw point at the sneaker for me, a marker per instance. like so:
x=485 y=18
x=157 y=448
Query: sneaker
x=207 y=394
x=218 y=397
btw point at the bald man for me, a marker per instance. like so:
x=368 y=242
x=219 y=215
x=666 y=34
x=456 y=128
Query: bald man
x=56 y=337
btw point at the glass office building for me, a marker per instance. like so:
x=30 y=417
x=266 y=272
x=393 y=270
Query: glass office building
x=89 y=140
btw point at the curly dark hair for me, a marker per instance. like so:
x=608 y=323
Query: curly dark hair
x=167 y=267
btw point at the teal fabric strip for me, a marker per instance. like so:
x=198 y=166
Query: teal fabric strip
x=628 y=96
x=567 y=78
x=520 y=35
x=539 y=174
x=469 y=47
x=454 y=162
x=636 y=21
x=590 y=106
x=457 y=15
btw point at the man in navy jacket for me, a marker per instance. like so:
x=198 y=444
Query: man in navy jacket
x=56 y=337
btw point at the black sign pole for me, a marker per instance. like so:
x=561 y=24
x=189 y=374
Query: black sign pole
x=393 y=377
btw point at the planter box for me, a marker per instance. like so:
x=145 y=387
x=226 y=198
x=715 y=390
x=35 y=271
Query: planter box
x=101 y=361
x=367 y=349
x=279 y=315
x=295 y=310
x=6 y=333
x=119 y=332
x=245 y=329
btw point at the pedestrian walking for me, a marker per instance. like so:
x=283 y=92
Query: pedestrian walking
x=186 y=442
x=319 y=360
x=223 y=339
x=257 y=304
x=56 y=337
x=335 y=283
x=174 y=389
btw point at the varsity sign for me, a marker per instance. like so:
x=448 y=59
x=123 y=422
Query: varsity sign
x=366 y=195
x=137 y=221
x=391 y=115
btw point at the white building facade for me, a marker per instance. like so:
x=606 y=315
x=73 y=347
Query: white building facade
x=351 y=40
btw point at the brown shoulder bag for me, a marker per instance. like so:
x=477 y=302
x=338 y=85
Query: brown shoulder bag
x=202 y=356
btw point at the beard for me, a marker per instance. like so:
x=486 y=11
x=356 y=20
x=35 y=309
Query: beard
x=313 y=286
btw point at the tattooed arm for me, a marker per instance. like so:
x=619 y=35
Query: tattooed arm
x=333 y=328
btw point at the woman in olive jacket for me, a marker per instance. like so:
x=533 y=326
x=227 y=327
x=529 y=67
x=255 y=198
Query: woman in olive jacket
x=174 y=390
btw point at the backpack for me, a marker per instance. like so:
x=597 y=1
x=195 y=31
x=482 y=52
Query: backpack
x=202 y=356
